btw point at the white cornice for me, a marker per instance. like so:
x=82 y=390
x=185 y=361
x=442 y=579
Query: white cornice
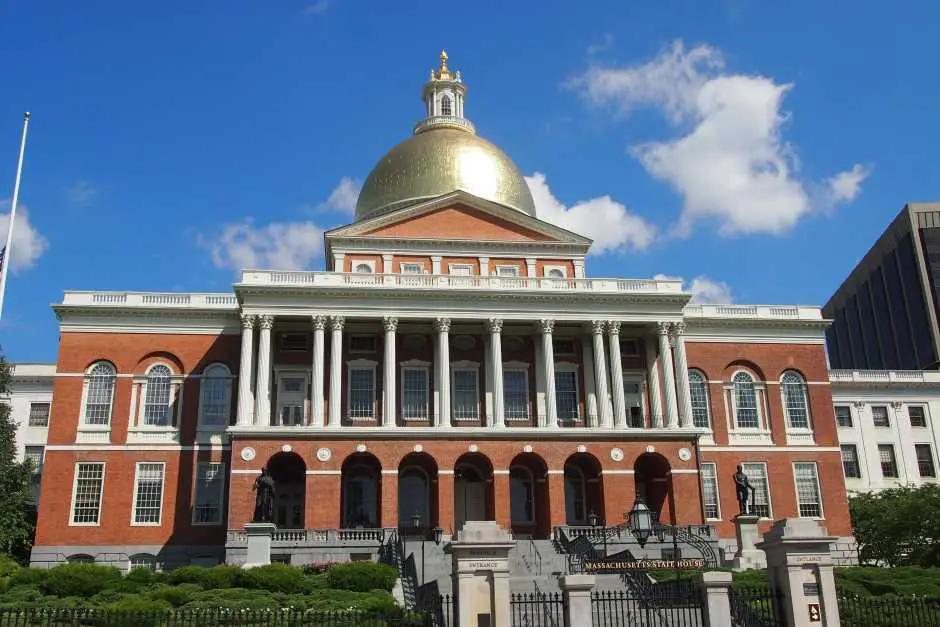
x=457 y=248
x=463 y=433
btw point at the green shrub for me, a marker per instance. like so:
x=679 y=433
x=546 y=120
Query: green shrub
x=137 y=603
x=21 y=597
x=29 y=577
x=339 y=600
x=233 y=599
x=145 y=576
x=8 y=566
x=274 y=578
x=81 y=580
x=318 y=581
x=177 y=596
x=899 y=581
x=216 y=577
x=361 y=576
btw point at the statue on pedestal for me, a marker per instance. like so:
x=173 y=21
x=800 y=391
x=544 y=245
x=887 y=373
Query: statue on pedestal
x=264 y=497
x=741 y=488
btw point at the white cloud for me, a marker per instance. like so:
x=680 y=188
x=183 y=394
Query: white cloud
x=81 y=193
x=28 y=244
x=317 y=8
x=704 y=290
x=729 y=161
x=343 y=197
x=610 y=224
x=280 y=245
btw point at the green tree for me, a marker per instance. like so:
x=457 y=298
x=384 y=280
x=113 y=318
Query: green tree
x=16 y=529
x=898 y=526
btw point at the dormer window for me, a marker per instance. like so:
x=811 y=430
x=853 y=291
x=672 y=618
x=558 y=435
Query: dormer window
x=446 y=108
x=362 y=268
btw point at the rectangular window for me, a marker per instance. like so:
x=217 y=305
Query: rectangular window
x=843 y=415
x=361 y=343
x=414 y=393
x=86 y=493
x=411 y=268
x=294 y=342
x=808 y=497
x=889 y=464
x=629 y=348
x=757 y=476
x=148 y=493
x=466 y=396
x=39 y=414
x=879 y=415
x=291 y=400
x=361 y=393
x=216 y=394
x=566 y=395
x=917 y=415
x=460 y=269
x=508 y=271
x=210 y=480
x=925 y=465
x=710 y=491
x=515 y=394
x=563 y=347
x=36 y=455
x=850 y=461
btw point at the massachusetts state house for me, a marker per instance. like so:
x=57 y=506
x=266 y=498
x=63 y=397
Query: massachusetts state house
x=454 y=361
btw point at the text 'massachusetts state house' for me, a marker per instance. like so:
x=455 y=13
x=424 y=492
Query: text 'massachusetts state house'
x=454 y=362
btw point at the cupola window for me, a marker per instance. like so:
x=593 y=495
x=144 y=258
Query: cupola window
x=446 y=108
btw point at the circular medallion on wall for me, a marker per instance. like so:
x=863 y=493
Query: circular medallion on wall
x=616 y=454
x=464 y=342
x=527 y=448
x=418 y=448
x=581 y=448
x=650 y=449
x=287 y=448
x=473 y=448
x=324 y=454
x=362 y=448
x=685 y=454
x=248 y=453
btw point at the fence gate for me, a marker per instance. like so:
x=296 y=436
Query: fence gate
x=756 y=607
x=537 y=609
x=677 y=605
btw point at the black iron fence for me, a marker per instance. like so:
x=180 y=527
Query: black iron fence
x=756 y=607
x=890 y=611
x=679 y=607
x=537 y=609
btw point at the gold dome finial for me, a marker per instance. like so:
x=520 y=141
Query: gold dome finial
x=443 y=73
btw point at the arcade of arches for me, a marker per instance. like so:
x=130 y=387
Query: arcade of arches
x=535 y=497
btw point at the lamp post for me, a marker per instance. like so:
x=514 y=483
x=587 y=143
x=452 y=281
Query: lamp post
x=416 y=528
x=594 y=520
x=640 y=519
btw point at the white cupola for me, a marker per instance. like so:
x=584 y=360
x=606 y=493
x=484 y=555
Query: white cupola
x=444 y=96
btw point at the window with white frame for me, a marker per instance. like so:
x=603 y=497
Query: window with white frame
x=216 y=396
x=879 y=416
x=460 y=269
x=291 y=398
x=850 y=465
x=144 y=560
x=210 y=483
x=917 y=415
x=745 y=402
x=414 y=393
x=361 y=396
x=515 y=394
x=411 y=268
x=446 y=108
x=158 y=396
x=99 y=394
x=710 y=491
x=465 y=393
x=808 y=497
x=364 y=267
x=555 y=272
x=148 y=493
x=563 y=346
x=889 y=463
x=756 y=473
x=925 y=465
x=507 y=271
x=843 y=415
x=698 y=392
x=793 y=389
x=86 y=493
x=566 y=395
x=39 y=414
x=36 y=455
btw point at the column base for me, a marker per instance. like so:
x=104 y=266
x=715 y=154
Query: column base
x=259 y=543
x=748 y=556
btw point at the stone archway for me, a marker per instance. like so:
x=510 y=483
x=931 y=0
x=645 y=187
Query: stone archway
x=361 y=492
x=417 y=492
x=473 y=489
x=528 y=496
x=289 y=473
x=652 y=482
x=584 y=490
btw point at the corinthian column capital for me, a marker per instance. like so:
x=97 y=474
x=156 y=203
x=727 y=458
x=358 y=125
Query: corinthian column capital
x=494 y=325
x=266 y=321
x=318 y=322
x=442 y=325
x=613 y=327
x=662 y=328
x=390 y=324
x=337 y=323
x=546 y=325
x=598 y=326
x=248 y=321
x=678 y=328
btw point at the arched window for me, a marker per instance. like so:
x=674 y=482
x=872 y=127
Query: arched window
x=143 y=560
x=793 y=389
x=575 y=496
x=215 y=404
x=745 y=401
x=521 y=495
x=99 y=394
x=446 y=108
x=80 y=558
x=157 y=397
x=556 y=273
x=413 y=497
x=698 y=391
x=362 y=268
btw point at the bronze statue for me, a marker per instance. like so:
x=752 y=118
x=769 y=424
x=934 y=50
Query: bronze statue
x=741 y=488
x=264 y=497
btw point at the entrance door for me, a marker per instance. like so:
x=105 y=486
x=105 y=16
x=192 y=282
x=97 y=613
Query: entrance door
x=471 y=501
x=633 y=401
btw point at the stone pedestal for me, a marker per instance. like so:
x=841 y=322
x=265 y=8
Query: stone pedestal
x=481 y=574
x=801 y=569
x=259 y=543
x=717 y=588
x=748 y=556
x=577 y=590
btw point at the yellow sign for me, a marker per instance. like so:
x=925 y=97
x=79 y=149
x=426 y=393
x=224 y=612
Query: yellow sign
x=814 y=614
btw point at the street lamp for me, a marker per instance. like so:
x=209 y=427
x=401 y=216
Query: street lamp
x=641 y=522
x=438 y=535
x=594 y=520
x=416 y=526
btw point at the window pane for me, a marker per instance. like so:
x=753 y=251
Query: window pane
x=745 y=402
x=89 y=478
x=917 y=415
x=794 y=398
x=39 y=414
x=925 y=464
x=465 y=395
x=149 y=501
x=35 y=454
x=843 y=416
x=889 y=466
x=209 y=483
x=850 y=461
x=710 y=491
x=520 y=496
x=698 y=390
x=157 y=403
x=99 y=395
x=879 y=415
x=414 y=394
x=515 y=395
x=807 y=490
x=362 y=393
x=216 y=386
x=757 y=476
x=566 y=396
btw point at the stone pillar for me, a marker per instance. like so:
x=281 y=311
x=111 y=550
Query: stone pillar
x=263 y=386
x=259 y=544
x=590 y=383
x=389 y=370
x=442 y=361
x=548 y=365
x=665 y=355
x=577 y=593
x=481 y=574
x=246 y=366
x=317 y=371
x=336 y=370
x=801 y=570
x=717 y=589
x=616 y=375
x=579 y=268
x=656 y=405
x=495 y=327
x=682 y=376
x=748 y=557
x=600 y=375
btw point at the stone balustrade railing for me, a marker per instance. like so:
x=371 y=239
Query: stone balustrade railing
x=292 y=537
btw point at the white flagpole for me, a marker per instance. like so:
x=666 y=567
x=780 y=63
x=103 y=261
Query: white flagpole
x=7 y=257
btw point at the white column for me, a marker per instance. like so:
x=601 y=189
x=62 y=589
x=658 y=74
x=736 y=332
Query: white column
x=548 y=364
x=338 y=261
x=484 y=266
x=442 y=326
x=682 y=376
x=530 y=268
x=389 y=411
x=656 y=403
x=579 y=268
x=387 y=264
x=336 y=370
x=495 y=327
x=665 y=354
x=600 y=375
x=263 y=387
x=587 y=350
x=435 y=265
x=316 y=372
x=616 y=375
x=245 y=397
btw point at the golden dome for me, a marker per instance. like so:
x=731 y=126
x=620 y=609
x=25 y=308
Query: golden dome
x=439 y=161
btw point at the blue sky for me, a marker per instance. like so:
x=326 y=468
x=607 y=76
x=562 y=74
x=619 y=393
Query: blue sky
x=759 y=147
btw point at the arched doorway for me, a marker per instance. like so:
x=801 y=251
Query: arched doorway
x=584 y=490
x=417 y=491
x=290 y=479
x=473 y=489
x=528 y=496
x=361 y=492
x=651 y=475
